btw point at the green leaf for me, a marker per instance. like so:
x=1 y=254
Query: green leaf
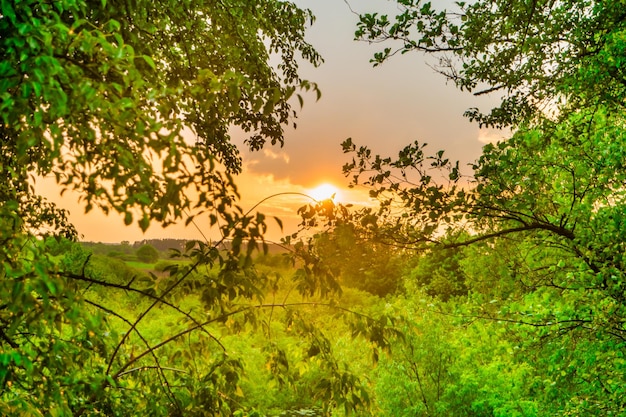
x=8 y=11
x=149 y=61
x=144 y=222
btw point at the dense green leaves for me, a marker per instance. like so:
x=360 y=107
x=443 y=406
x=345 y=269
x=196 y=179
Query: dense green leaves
x=359 y=262
x=99 y=96
x=504 y=287
x=148 y=254
x=544 y=213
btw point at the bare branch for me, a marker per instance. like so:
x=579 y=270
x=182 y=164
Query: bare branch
x=143 y=368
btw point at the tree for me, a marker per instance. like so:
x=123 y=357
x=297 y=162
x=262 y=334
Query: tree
x=439 y=273
x=557 y=191
x=445 y=366
x=359 y=261
x=147 y=254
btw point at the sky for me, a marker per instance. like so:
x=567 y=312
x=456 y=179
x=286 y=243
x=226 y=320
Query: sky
x=385 y=108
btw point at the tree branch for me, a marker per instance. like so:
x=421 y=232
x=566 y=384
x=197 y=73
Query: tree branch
x=7 y=339
x=149 y=349
x=533 y=226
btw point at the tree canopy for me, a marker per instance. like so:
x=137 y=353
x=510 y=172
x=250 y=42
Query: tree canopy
x=130 y=104
x=147 y=253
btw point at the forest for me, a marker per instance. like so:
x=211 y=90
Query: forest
x=498 y=290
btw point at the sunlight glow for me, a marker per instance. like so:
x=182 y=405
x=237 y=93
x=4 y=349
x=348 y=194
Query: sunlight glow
x=324 y=192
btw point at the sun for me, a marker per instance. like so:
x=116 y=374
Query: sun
x=324 y=191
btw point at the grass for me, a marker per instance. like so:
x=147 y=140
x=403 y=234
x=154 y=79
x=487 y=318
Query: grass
x=140 y=265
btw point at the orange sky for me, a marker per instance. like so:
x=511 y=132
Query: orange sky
x=384 y=107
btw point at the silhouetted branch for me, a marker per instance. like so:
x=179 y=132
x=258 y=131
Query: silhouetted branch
x=157 y=300
x=533 y=226
x=7 y=339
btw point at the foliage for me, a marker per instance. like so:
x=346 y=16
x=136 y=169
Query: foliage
x=360 y=263
x=541 y=215
x=122 y=250
x=440 y=274
x=513 y=306
x=179 y=340
x=445 y=366
x=552 y=199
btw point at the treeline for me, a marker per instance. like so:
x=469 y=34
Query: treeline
x=164 y=246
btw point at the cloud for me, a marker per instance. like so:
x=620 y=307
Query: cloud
x=269 y=153
x=491 y=135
